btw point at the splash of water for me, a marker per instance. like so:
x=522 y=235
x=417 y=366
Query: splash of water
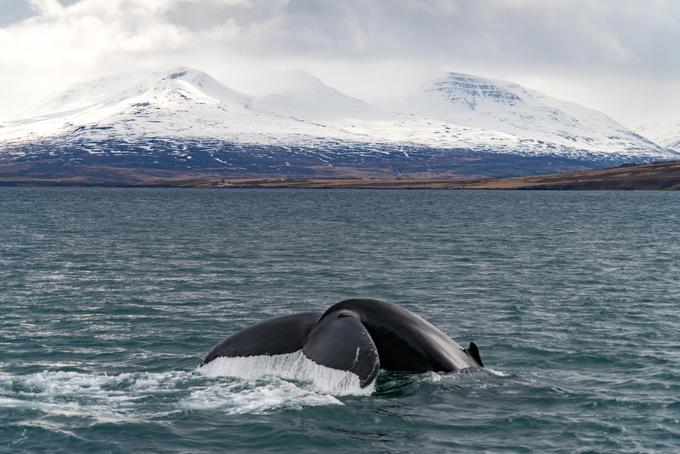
x=291 y=366
x=140 y=396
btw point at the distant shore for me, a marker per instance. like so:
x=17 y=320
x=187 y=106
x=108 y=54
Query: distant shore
x=655 y=176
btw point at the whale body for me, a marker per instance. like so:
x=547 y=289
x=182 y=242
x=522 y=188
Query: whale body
x=360 y=336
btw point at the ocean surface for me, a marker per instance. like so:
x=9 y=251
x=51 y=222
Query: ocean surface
x=110 y=298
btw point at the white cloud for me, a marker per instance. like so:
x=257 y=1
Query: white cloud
x=365 y=47
x=47 y=7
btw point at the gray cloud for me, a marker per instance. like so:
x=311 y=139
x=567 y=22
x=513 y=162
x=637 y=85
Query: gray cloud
x=599 y=43
x=633 y=34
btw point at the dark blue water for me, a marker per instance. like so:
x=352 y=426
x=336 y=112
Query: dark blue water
x=109 y=298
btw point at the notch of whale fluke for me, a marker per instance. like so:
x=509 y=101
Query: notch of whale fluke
x=357 y=336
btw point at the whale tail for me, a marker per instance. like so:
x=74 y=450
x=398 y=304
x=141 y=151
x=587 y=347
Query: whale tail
x=473 y=352
x=357 y=335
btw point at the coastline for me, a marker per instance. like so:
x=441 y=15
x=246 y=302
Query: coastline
x=654 y=176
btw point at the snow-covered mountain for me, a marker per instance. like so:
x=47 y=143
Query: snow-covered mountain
x=304 y=96
x=185 y=119
x=179 y=104
x=529 y=116
x=663 y=133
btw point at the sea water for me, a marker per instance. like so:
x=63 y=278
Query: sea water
x=110 y=298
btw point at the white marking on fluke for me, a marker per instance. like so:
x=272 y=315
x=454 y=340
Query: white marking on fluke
x=291 y=366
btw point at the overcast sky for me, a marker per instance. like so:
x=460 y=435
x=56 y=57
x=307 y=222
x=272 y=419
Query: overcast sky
x=618 y=56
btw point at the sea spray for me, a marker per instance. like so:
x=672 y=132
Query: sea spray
x=291 y=366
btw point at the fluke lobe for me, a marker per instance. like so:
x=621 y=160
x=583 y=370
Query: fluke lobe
x=356 y=335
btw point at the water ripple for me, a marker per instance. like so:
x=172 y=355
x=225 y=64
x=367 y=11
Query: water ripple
x=110 y=297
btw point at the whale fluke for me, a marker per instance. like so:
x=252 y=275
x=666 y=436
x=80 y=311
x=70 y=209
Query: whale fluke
x=359 y=336
x=277 y=336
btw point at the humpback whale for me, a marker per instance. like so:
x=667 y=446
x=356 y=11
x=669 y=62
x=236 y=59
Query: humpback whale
x=360 y=336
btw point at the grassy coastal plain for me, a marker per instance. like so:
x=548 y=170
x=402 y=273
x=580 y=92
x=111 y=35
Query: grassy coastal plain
x=655 y=176
x=648 y=176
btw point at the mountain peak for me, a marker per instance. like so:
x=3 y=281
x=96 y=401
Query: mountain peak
x=181 y=72
x=471 y=91
x=509 y=108
x=187 y=74
x=198 y=85
x=296 y=80
x=306 y=96
x=145 y=86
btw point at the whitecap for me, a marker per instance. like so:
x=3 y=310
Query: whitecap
x=434 y=377
x=142 y=396
x=497 y=373
x=255 y=397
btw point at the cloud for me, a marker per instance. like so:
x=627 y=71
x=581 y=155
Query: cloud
x=563 y=32
x=550 y=40
x=47 y=7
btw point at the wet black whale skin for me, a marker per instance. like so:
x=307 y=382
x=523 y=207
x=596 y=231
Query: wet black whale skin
x=356 y=335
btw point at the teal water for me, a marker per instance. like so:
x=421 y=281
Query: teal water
x=109 y=298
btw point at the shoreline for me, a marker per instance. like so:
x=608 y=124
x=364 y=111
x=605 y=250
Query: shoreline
x=655 y=176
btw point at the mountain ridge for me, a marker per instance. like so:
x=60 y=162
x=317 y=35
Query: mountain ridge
x=666 y=133
x=185 y=119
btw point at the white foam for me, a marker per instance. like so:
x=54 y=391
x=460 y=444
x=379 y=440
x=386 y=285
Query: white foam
x=70 y=394
x=432 y=376
x=256 y=398
x=141 y=396
x=291 y=366
x=497 y=373
x=462 y=376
